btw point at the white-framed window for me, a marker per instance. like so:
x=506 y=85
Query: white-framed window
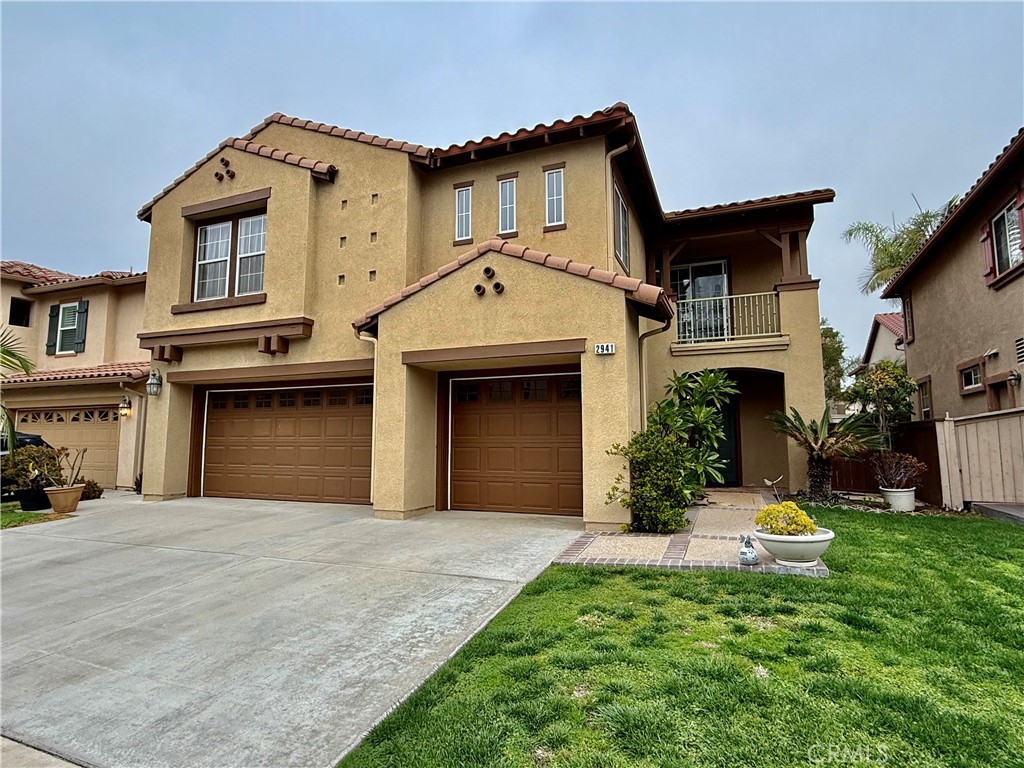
x=252 y=248
x=970 y=377
x=464 y=213
x=555 y=196
x=506 y=205
x=924 y=392
x=1006 y=239
x=621 y=228
x=213 y=256
x=67 y=326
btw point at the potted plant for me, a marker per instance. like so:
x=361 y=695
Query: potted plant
x=21 y=478
x=790 y=535
x=64 y=496
x=898 y=475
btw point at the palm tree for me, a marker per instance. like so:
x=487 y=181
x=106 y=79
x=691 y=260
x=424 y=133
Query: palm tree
x=892 y=247
x=12 y=359
x=824 y=441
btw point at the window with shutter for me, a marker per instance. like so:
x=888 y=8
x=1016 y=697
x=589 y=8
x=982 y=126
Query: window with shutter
x=67 y=323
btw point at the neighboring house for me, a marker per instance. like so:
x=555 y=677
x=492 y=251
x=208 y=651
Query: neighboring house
x=963 y=299
x=885 y=341
x=341 y=317
x=80 y=332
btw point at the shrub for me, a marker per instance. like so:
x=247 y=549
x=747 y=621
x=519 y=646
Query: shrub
x=92 y=490
x=671 y=460
x=897 y=470
x=138 y=484
x=19 y=467
x=785 y=519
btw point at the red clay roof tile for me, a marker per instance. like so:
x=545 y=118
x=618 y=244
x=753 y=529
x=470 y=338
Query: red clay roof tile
x=643 y=293
x=892 y=321
x=121 y=371
x=33 y=272
x=816 y=195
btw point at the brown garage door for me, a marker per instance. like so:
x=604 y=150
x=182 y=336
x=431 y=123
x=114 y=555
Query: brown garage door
x=93 y=428
x=516 y=445
x=291 y=444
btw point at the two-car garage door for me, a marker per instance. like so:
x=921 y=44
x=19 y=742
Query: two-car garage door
x=308 y=444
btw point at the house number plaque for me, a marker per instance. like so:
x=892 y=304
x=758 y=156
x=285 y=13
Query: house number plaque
x=604 y=349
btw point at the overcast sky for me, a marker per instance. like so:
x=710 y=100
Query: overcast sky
x=104 y=105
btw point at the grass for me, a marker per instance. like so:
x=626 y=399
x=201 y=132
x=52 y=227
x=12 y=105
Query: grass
x=911 y=653
x=11 y=515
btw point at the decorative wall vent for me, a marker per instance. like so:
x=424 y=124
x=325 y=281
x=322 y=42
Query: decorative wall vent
x=1019 y=344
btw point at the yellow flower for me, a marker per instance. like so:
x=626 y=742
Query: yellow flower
x=785 y=519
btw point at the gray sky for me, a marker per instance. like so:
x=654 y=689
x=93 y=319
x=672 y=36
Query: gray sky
x=104 y=105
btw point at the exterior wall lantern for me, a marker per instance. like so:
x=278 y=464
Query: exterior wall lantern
x=1014 y=378
x=155 y=383
x=124 y=410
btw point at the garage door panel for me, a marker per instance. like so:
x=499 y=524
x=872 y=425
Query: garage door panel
x=94 y=428
x=288 y=445
x=528 y=439
x=499 y=459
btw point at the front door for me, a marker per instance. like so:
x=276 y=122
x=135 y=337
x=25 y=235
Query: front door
x=729 y=448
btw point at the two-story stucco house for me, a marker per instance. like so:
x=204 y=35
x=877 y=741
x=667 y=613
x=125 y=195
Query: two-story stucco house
x=963 y=298
x=86 y=390
x=341 y=317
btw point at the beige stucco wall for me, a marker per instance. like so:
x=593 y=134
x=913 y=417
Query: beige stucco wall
x=884 y=347
x=539 y=304
x=957 y=317
x=26 y=336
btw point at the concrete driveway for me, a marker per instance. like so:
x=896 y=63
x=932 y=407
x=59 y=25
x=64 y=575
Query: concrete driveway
x=207 y=632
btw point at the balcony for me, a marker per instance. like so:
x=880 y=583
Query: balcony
x=729 y=323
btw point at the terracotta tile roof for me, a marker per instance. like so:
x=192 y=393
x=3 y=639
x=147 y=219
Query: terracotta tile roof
x=115 y=371
x=317 y=168
x=416 y=150
x=811 y=196
x=893 y=321
x=617 y=110
x=1004 y=158
x=106 y=277
x=636 y=291
x=33 y=272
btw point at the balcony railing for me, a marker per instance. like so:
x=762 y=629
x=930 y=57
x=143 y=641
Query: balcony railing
x=728 y=318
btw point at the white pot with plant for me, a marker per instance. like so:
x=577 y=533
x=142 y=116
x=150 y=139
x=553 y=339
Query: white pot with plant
x=898 y=475
x=64 y=496
x=791 y=536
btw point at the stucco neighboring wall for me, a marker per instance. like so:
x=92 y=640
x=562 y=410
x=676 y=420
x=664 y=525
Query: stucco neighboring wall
x=957 y=317
x=884 y=347
x=26 y=336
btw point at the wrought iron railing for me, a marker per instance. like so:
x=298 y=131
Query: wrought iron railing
x=725 y=318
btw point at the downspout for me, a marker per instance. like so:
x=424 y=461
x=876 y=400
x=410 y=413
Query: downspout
x=609 y=186
x=641 y=359
x=373 y=424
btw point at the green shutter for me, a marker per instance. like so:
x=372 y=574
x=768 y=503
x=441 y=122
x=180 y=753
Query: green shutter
x=83 y=321
x=51 y=331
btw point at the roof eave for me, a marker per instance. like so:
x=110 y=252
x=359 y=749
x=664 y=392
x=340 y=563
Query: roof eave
x=818 y=197
x=89 y=282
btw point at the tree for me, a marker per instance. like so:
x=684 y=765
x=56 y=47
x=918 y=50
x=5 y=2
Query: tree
x=824 y=441
x=833 y=359
x=12 y=360
x=671 y=460
x=885 y=390
x=889 y=248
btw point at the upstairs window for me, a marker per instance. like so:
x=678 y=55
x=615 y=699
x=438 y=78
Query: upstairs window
x=66 y=332
x=621 y=214
x=908 y=318
x=555 y=197
x=924 y=394
x=21 y=312
x=506 y=206
x=230 y=256
x=464 y=213
x=970 y=377
x=1006 y=239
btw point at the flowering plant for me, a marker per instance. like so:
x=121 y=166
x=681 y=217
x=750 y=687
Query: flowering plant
x=785 y=519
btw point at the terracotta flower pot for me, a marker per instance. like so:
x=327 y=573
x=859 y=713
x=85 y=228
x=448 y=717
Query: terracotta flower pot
x=65 y=498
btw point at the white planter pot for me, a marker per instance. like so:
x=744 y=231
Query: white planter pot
x=796 y=551
x=900 y=499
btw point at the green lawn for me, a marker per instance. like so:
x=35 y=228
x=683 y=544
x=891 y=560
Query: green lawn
x=11 y=515
x=911 y=653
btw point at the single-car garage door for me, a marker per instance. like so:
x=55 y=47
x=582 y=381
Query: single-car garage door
x=92 y=428
x=309 y=444
x=516 y=445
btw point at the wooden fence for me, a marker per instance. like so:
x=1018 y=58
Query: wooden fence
x=971 y=458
